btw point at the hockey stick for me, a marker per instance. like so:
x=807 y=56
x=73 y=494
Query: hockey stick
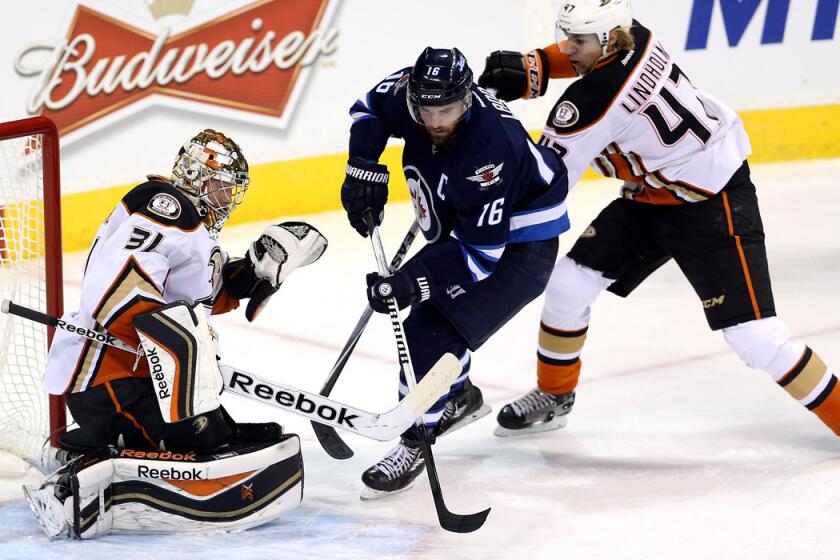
x=327 y=436
x=448 y=520
x=383 y=426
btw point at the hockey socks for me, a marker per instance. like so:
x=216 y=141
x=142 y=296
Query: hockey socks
x=815 y=386
x=558 y=359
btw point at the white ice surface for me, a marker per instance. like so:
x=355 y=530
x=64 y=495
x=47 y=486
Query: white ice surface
x=674 y=450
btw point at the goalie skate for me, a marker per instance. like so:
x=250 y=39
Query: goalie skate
x=396 y=471
x=535 y=412
x=50 y=459
x=48 y=507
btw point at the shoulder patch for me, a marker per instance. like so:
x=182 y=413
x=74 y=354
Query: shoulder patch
x=165 y=205
x=487 y=175
x=566 y=114
x=588 y=99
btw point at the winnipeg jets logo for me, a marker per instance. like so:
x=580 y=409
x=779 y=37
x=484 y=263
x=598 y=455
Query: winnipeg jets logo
x=487 y=176
x=423 y=202
x=417 y=199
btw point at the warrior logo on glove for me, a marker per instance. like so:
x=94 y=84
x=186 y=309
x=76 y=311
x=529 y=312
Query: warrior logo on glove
x=385 y=290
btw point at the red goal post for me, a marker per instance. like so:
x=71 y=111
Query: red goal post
x=31 y=273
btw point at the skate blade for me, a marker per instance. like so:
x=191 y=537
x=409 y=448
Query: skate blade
x=467 y=420
x=555 y=423
x=369 y=494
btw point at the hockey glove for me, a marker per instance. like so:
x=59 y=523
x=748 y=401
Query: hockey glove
x=284 y=247
x=241 y=282
x=409 y=285
x=365 y=189
x=515 y=75
x=279 y=250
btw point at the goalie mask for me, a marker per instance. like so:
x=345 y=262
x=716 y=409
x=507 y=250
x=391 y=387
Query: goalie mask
x=212 y=172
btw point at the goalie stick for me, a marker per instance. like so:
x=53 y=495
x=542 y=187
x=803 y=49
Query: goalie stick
x=383 y=426
x=448 y=520
x=327 y=436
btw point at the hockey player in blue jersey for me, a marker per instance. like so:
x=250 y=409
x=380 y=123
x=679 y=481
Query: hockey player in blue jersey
x=490 y=204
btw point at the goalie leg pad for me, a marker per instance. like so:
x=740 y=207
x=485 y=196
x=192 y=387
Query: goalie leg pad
x=181 y=355
x=143 y=491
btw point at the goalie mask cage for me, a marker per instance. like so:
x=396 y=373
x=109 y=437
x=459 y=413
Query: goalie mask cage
x=30 y=275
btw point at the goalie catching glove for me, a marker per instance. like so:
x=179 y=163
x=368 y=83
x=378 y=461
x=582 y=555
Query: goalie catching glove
x=278 y=251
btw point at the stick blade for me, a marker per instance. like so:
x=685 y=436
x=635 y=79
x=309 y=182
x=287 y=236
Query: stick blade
x=332 y=442
x=457 y=523
x=434 y=384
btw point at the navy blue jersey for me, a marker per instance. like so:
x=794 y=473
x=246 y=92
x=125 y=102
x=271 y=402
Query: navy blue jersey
x=488 y=186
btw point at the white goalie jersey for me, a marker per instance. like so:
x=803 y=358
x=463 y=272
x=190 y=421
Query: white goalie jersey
x=639 y=118
x=154 y=248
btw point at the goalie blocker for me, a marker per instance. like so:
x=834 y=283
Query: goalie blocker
x=240 y=486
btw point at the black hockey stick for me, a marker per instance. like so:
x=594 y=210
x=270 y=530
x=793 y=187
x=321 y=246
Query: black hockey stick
x=448 y=520
x=327 y=435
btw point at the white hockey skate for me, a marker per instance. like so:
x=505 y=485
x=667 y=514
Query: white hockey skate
x=50 y=459
x=537 y=411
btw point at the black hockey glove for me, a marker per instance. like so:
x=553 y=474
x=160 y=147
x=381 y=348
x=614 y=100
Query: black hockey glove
x=365 y=189
x=515 y=75
x=504 y=71
x=408 y=285
x=240 y=282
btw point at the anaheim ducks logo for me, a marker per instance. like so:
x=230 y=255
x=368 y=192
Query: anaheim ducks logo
x=165 y=206
x=566 y=114
x=200 y=424
x=588 y=233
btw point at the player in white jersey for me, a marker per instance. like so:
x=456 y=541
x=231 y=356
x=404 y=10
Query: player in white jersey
x=633 y=114
x=154 y=450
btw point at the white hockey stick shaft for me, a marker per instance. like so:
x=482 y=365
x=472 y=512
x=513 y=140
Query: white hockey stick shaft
x=383 y=426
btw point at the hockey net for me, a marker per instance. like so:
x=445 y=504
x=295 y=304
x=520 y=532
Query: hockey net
x=30 y=275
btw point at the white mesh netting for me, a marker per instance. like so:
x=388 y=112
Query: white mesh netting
x=24 y=413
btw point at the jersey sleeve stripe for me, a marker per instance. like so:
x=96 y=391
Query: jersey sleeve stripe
x=476 y=270
x=545 y=171
x=362 y=109
x=539 y=224
x=359 y=116
x=490 y=253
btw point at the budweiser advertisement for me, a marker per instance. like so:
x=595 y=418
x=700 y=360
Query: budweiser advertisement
x=245 y=61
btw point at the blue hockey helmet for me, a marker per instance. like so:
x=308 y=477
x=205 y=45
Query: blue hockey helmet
x=439 y=77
